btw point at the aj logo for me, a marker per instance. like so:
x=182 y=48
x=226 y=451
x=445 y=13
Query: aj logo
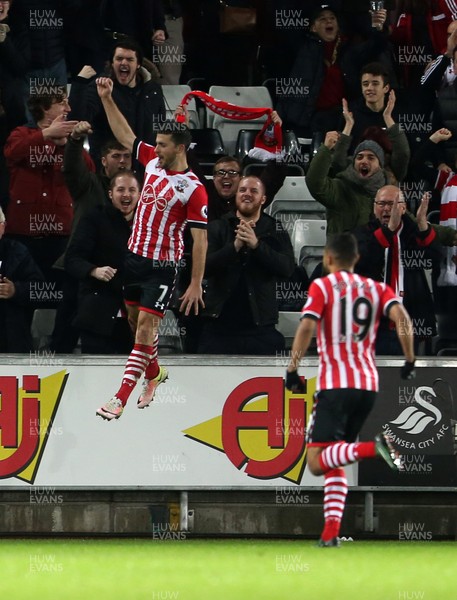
x=262 y=428
x=26 y=417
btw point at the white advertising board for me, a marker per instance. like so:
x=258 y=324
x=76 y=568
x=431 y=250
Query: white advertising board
x=210 y=426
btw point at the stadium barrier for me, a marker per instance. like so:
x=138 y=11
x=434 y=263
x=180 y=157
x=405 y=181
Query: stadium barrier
x=219 y=425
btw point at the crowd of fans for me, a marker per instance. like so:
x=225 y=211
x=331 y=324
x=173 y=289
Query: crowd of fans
x=368 y=88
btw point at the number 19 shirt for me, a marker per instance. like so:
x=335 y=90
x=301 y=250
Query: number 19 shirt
x=348 y=308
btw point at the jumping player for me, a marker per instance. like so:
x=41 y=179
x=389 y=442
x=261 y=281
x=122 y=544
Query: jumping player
x=347 y=308
x=171 y=197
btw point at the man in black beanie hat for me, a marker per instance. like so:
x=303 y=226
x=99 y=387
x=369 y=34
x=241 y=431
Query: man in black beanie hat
x=348 y=197
x=363 y=159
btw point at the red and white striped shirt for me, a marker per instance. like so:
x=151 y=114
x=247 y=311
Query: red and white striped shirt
x=348 y=308
x=169 y=200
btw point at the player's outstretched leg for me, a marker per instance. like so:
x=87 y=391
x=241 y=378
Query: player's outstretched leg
x=136 y=364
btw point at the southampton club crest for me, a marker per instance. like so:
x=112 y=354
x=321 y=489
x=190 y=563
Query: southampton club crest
x=181 y=185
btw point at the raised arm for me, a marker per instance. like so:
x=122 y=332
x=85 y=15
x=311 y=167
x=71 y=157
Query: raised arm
x=118 y=123
x=321 y=186
x=76 y=172
x=341 y=148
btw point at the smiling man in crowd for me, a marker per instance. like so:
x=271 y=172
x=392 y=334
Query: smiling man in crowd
x=248 y=253
x=139 y=99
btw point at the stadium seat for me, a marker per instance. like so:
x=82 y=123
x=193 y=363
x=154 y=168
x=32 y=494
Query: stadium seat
x=256 y=169
x=208 y=145
x=288 y=212
x=246 y=140
x=445 y=343
x=308 y=236
x=294 y=201
x=271 y=84
x=295 y=188
x=42 y=327
x=170 y=341
x=288 y=322
x=308 y=239
x=251 y=97
x=173 y=94
x=198 y=83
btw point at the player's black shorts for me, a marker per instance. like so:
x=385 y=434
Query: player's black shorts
x=148 y=283
x=338 y=415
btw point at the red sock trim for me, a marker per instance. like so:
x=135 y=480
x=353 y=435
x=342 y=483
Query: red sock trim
x=152 y=370
x=365 y=450
x=146 y=348
x=136 y=365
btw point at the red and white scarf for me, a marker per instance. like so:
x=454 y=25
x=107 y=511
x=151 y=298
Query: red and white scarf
x=268 y=142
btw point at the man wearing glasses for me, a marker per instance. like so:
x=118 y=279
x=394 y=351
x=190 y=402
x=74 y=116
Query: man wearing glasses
x=226 y=177
x=396 y=249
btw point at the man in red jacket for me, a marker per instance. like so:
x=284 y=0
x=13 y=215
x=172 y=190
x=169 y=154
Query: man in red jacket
x=40 y=209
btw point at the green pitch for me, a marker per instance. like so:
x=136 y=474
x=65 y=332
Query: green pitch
x=226 y=570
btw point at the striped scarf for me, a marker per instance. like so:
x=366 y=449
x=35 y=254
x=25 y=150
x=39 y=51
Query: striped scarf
x=269 y=139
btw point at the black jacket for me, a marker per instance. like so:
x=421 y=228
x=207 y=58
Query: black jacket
x=420 y=250
x=364 y=117
x=309 y=70
x=143 y=106
x=261 y=268
x=15 y=57
x=87 y=189
x=136 y=19
x=45 y=21
x=445 y=115
x=100 y=239
x=19 y=267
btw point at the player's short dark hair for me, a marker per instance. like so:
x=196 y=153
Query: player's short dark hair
x=376 y=68
x=128 y=44
x=38 y=103
x=126 y=173
x=180 y=133
x=344 y=247
x=110 y=145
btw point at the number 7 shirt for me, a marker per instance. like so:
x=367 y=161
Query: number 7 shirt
x=348 y=308
x=169 y=200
